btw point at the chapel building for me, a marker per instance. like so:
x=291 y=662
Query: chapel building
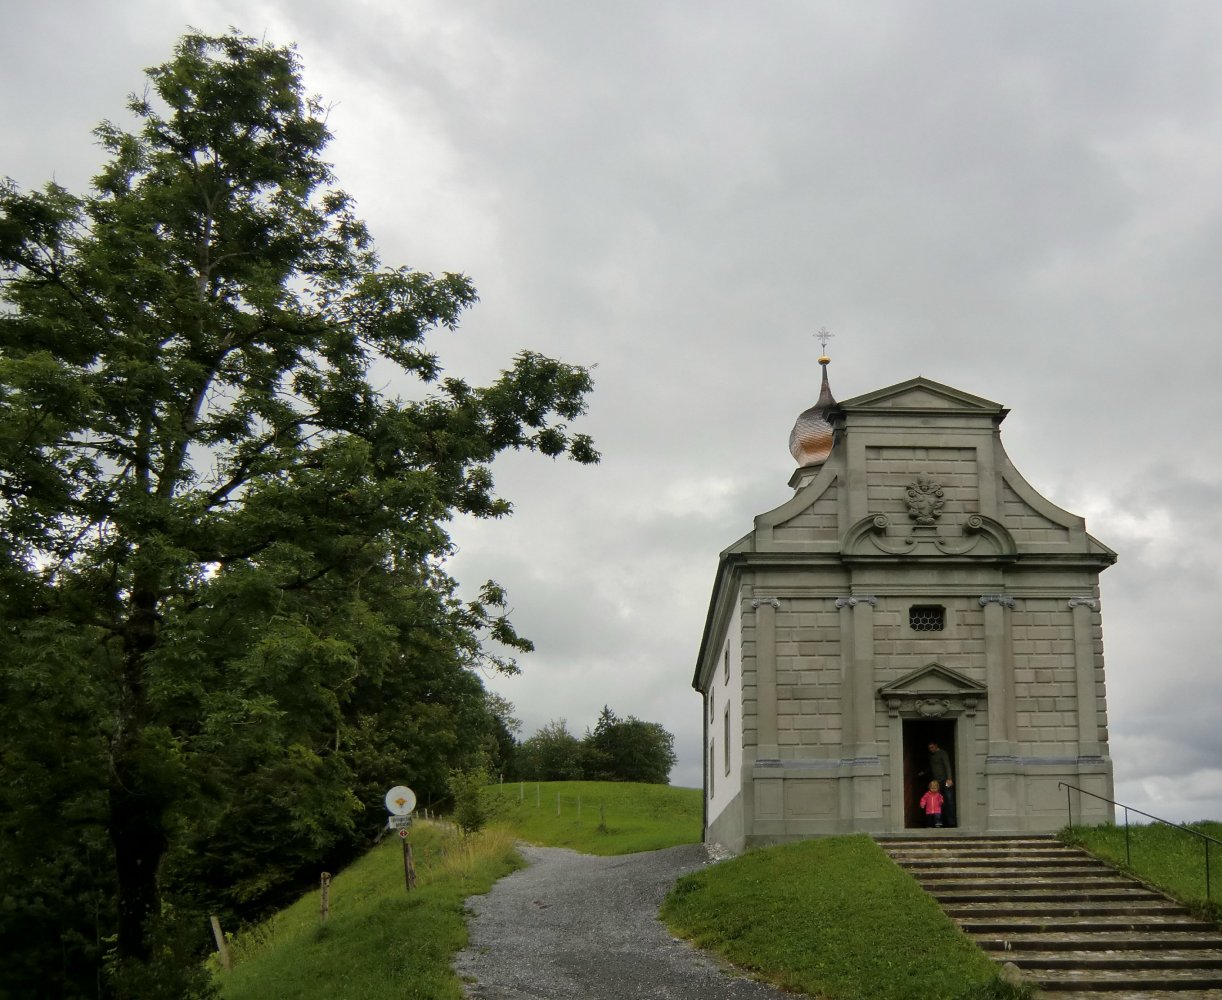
x=915 y=589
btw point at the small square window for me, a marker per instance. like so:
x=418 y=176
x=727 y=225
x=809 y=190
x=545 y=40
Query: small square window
x=927 y=618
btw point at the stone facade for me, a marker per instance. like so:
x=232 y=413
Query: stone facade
x=914 y=588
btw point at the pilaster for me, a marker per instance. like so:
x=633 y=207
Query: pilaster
x=857 y=625
x=999 y=669
x=765 y=677
x=1082 y=609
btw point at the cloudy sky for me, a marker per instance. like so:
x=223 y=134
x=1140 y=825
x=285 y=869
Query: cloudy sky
x=1022 y=200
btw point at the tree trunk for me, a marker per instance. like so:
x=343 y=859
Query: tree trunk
x=138 y=798
x=140 y=843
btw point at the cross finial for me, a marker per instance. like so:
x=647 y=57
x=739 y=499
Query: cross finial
x=823 y=336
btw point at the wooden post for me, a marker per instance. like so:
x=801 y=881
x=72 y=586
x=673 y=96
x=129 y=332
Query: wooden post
x=522 y=792
x=557 y=803
x=326 y=896
x=222 y=946
x=579 y=807
x=536 y=795
x=602 y=817
x=409 y=866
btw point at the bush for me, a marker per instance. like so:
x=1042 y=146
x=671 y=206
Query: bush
x=471 y=813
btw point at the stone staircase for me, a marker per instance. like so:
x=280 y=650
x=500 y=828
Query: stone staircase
x=1075 y=927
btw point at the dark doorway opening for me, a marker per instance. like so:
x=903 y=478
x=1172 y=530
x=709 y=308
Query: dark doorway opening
x=918 y=733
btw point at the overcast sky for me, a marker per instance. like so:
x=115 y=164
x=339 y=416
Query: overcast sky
x=1022 y=200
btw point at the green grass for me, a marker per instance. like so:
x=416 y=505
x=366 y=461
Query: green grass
x=833 y=918
x=599 y=817
x=380 y=940
x=1163 y=856
x=383 y=942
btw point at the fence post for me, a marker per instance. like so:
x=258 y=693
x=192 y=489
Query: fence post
x=222 y=945
x=1207 y=895
x=557 y=803
x=1128 y=857
x=409 y=866
x=325 y=908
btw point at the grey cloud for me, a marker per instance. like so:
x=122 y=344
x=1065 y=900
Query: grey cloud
x=1018 y=200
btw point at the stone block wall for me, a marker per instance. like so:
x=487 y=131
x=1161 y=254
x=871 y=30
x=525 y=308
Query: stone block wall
x=890 y=469
x=1027 y=525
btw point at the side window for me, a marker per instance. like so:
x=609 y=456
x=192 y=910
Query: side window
x=712 y=712
x=712 y=765
x=725 y=656
x=726 y=737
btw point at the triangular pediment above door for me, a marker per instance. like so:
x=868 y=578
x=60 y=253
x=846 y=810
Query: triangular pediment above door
x=933 y=678
x=933 y=691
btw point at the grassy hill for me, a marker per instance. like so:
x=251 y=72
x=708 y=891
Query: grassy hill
x=1169 y=858
x=381 y=941
x=599 y=817
x=833 y=917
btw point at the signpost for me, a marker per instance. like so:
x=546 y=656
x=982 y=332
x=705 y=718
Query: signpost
x=400 y=801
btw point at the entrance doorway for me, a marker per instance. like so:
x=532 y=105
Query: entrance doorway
x=918 y=734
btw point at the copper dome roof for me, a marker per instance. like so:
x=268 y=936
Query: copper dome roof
x=810 y=441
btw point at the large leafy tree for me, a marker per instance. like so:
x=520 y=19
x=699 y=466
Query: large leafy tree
x=551 y=754
x=221 y=545
x=628 y=750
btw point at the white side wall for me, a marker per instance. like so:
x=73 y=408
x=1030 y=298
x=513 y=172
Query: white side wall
x=725 y=688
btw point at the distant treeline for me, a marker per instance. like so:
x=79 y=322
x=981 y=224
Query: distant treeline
x=614 y=750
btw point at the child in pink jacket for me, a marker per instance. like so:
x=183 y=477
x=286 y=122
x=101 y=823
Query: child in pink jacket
x=931 y=802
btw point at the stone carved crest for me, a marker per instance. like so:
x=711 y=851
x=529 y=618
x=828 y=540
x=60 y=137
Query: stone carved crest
x=925 y=499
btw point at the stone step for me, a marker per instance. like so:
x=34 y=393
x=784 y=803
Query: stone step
x=1174 y=923
x=1073 y=926
x=930 y=839
x=934 y=853
x=974 y=851
x=1129 y=960
x=1048 y=894
x=923 y=833
x=1100 y=940
x=950 y=884
x=975 y=861
x=1051 y=862
x=1135 y=980
x=1145 y=994
x=1056 y=909
x=986 y=864
x=1067 y=862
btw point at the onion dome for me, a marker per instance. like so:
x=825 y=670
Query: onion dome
x=810 y=441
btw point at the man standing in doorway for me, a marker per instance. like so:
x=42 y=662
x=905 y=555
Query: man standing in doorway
x=940 y=771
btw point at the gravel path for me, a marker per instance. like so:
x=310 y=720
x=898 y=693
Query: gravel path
x=576 y=927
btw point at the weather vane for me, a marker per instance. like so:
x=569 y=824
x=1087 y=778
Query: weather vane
x=823 y=336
